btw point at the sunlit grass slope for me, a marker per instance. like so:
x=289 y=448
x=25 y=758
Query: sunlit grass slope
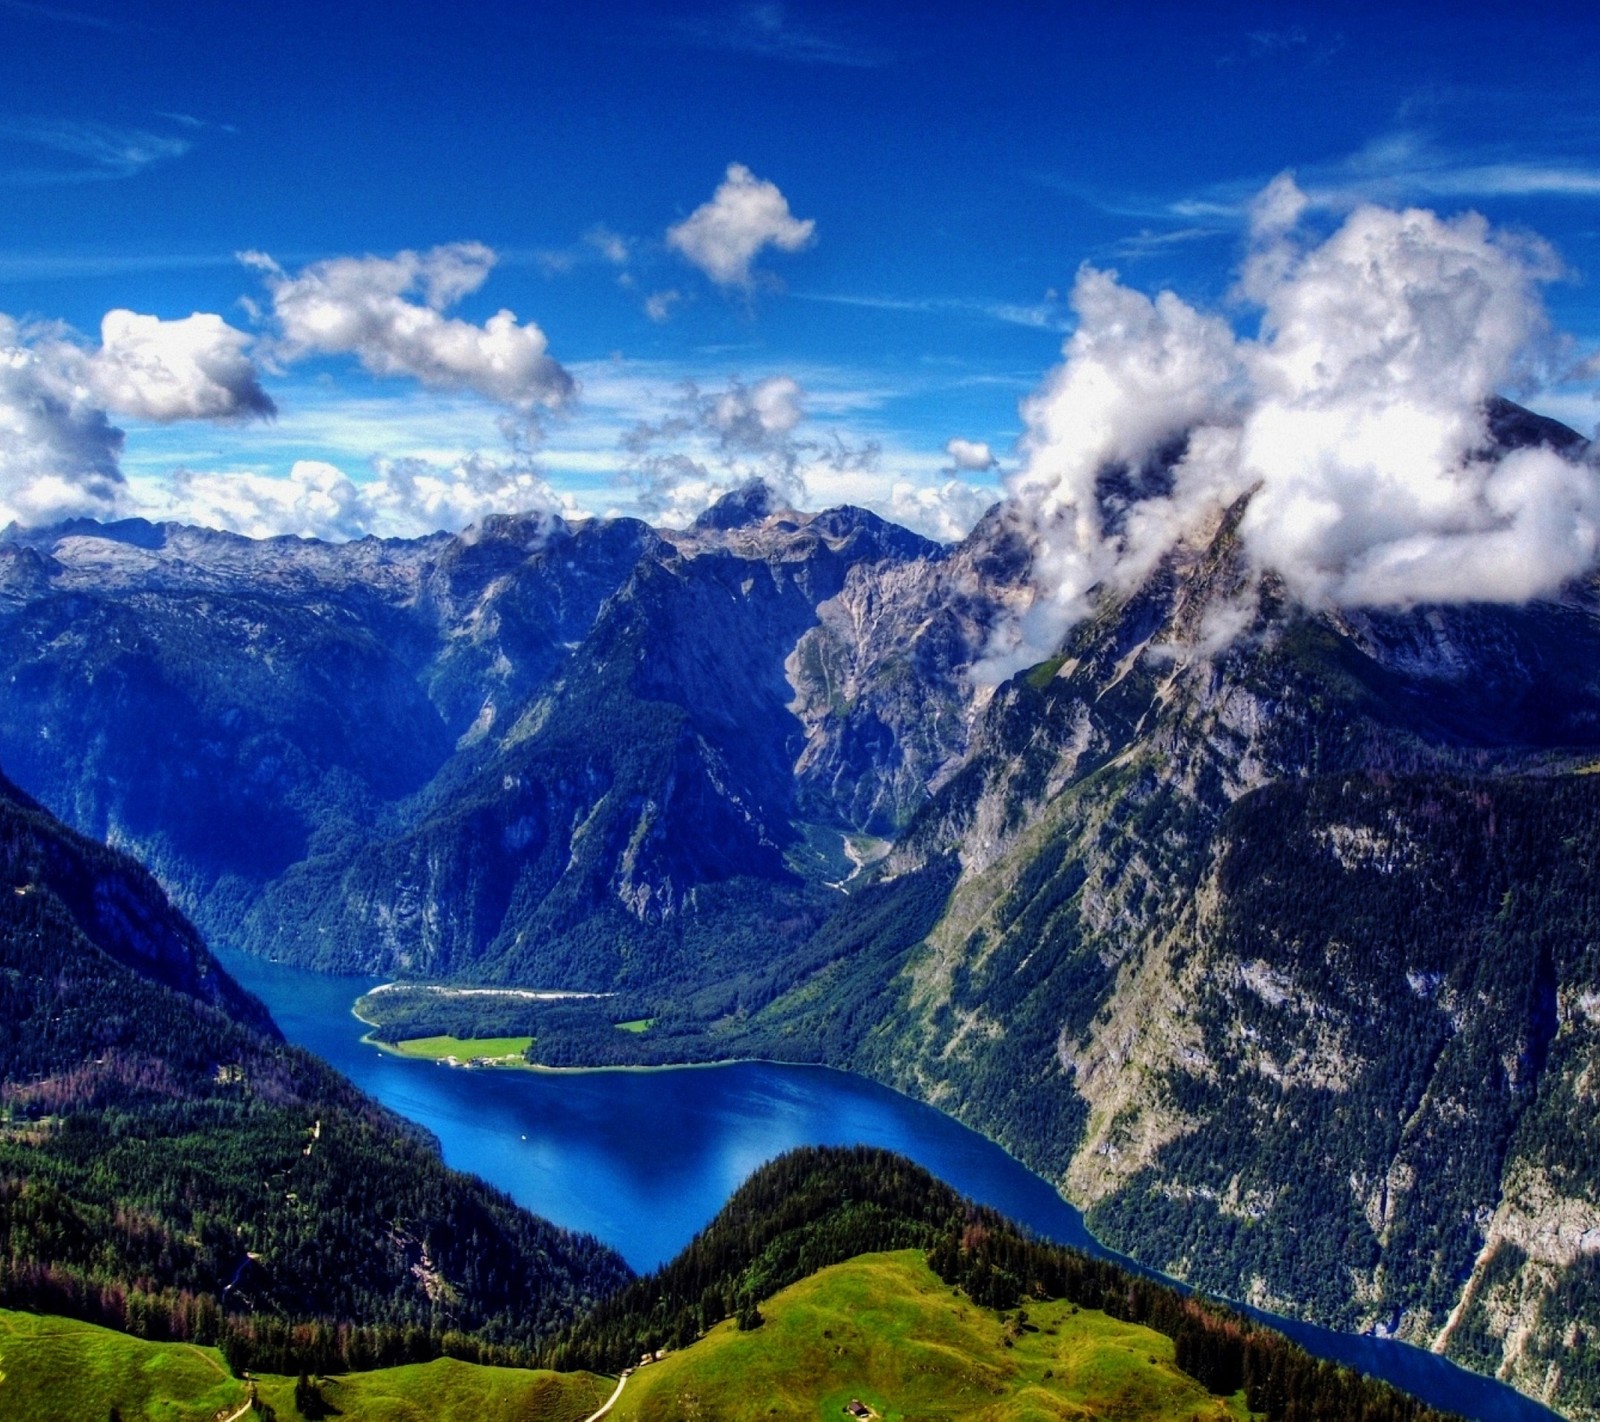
x=446 y=1390
x=463 y=1049
x=52 y=1369
x=882 y=1329
x=58 y=1370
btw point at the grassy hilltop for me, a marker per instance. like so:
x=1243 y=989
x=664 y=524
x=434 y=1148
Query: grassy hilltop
x=881 y=1329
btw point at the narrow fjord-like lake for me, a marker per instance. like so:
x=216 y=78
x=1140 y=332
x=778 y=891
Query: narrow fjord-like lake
x=644 y=1159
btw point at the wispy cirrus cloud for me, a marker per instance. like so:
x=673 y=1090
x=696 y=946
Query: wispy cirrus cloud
x=1404 y=166
x=600 y=244
x=1149 y=243
x=73 y=266
x=97 y=152
x=1046 y=315
x=769 y=31
x=1410 y=164
x=57 y=14
x=1290 y=43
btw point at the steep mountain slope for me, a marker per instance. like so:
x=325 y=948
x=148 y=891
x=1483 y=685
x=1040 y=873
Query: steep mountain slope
x=452 y=754
x=169 y=1166
x=880 y=682
x=651 y=775
x=214 y=705
x=1276 y=956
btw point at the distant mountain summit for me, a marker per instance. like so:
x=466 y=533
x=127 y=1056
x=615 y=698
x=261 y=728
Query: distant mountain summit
x=740 y=508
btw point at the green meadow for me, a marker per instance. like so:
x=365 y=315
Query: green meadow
x=883 y=1330
x=499 y=1050
x=53 y=1369
x=58 y=1370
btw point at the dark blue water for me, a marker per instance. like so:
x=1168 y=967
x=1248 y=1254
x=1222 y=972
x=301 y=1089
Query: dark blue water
x=643 y=1159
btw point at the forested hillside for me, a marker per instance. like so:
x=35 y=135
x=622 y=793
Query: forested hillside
x=169 y=1166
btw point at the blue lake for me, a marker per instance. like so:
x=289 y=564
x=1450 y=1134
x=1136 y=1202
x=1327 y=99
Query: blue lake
x=644 y=1159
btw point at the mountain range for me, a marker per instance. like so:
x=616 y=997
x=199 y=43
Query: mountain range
x=1267 y=932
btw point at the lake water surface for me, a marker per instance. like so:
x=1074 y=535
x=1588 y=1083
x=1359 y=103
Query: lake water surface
x=644 y=1159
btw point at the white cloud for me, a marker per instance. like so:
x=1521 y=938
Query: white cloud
x=58 y=449
x=708 y=443
x=193 y=369
x=1397 y=167
x=724 y=236
x=1355 y=419
x=362 y=306
x=658 y=305
x=944 y=512
x=749 y=419
x=403 y=498
x=765 y=29
x=611 y=246
x=1036 y=316
x=60 y=454
x=703 y=444
x=316 y=500
x=102 y=152
x=974 y=456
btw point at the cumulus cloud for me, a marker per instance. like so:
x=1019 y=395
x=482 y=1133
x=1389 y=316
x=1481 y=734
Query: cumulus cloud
x=712 y=442
x=944 y=512
x=724 y=236
x=402 y=498
x=193 y=369
x=59 y=450
x=1354 y=418
x=973 y=456
x=389 y=312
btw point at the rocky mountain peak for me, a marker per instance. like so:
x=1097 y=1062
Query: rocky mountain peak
x=749 y=504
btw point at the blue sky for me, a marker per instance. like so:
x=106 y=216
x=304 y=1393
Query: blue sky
x=944 y=171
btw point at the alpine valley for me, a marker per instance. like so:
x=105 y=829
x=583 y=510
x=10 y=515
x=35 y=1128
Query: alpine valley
x=1269 y=933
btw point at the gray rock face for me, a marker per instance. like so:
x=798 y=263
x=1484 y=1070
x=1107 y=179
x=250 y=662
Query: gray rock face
x=880 y=682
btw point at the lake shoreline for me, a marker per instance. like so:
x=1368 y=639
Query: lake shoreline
x=642 y=1156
